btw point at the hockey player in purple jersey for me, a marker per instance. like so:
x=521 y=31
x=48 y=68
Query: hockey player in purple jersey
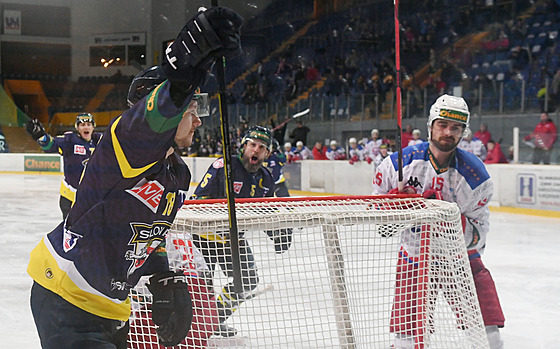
x=75 y=148
x=250 y=180
x=126 y=203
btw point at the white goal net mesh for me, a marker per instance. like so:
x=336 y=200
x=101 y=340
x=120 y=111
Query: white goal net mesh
x=333 y=272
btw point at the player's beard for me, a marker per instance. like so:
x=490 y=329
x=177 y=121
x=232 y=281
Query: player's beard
x=251 y=166
x=445 y=147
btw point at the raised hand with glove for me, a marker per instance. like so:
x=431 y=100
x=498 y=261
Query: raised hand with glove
x=208 y=35
x=171 y=307
x=35 y=129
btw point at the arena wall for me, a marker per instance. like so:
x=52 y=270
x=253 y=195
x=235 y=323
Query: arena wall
x=530 y=188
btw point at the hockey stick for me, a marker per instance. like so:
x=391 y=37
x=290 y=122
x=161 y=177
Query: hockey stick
x=224 y=123
x=257 y=293
x=295 y=116
x=398 y=93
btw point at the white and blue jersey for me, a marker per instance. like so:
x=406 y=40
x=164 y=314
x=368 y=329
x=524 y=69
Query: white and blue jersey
x=465 y=181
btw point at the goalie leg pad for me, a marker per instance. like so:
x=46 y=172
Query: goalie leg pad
x=492 y=313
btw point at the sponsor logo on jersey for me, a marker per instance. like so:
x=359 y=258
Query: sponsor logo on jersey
x=79 y=149
x=145 y=239
x=237 y=187
x=414 y=182
x=149 y=193
x=69 y=240
x=120 y=285
x=218 y=163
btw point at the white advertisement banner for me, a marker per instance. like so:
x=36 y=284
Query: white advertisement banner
x=12 y=22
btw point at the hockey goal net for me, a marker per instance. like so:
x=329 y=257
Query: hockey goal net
x=360 y=271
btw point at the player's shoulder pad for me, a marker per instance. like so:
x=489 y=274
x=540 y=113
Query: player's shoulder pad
x=266 y=171
x=97 y=136
x=471 y=168
x=218 y=163
x=411 y=153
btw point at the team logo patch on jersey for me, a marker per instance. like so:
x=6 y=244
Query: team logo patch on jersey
x=237 y=187
x=218 y=163
x=79 y=149
x=149 y=193
x=69 y=240
x=145 y=239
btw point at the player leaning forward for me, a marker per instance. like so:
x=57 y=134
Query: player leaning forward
x=126 y=203
x=438 y=169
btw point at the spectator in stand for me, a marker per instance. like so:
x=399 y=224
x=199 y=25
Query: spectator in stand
x=355 y=151
x=319 y=151
x=483 y=134
x=299 y=133
x=335 y=152
x=289 y=152
x=372 y=146
x=473 y=145
x=279 y=131
x=543 y=138
x=302 y=152
x=415 y=138
x=383 y=153
x=495 y=154
x=406 y=136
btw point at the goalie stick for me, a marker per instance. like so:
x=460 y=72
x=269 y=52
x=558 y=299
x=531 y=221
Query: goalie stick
x=295 y=116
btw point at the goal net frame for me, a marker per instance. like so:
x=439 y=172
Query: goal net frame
x=427 y=293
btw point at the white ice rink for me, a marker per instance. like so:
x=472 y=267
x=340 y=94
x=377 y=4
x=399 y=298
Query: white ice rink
x=522 y=255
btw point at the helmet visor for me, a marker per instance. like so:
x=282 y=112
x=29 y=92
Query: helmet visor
x=203 y=104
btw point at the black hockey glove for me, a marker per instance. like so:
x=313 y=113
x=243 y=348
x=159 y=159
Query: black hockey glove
x=171 y=307
x=35 y=129
x=208 y=35
x=282 y=239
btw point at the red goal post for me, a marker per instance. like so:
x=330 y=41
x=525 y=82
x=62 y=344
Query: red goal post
x=359 y=271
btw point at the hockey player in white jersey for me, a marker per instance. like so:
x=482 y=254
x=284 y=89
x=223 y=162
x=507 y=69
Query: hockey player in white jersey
x=373 y=145
x=473 y=145
x=355 y=151
x=438 y=169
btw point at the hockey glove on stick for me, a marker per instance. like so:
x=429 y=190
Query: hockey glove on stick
x=171 y=307
x=432 y=194
x=35 y=129
x=406 y=190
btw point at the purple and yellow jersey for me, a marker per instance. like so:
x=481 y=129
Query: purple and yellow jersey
x=76 y=152
x=245 y=184
x=125 y=205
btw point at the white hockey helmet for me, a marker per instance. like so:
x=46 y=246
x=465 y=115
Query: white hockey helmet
x=299 y=144
x=333 y=143
x=375 y=131
x=449 y=108
x=352 y=141
x=288 y=146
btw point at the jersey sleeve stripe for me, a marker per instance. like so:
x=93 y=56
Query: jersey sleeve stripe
x=126 y=170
